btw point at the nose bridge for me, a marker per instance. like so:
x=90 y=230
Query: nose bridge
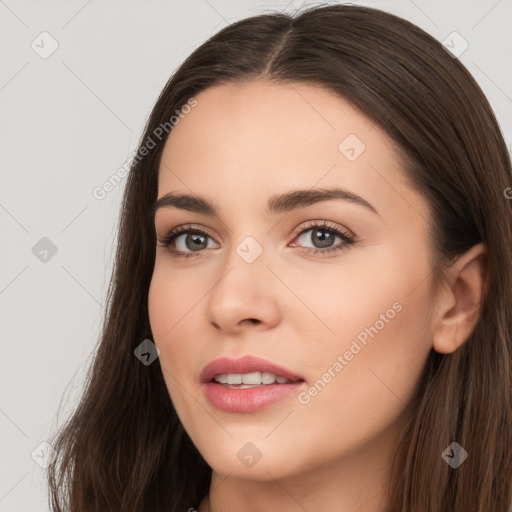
x=243 y=291
x=250 y=249
x=245 y=263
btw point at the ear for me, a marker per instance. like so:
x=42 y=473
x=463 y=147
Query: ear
x=459 y=303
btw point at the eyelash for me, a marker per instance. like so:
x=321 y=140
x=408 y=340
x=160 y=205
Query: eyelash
x=323 y=226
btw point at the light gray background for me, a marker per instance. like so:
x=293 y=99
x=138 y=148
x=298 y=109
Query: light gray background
x=68 y=122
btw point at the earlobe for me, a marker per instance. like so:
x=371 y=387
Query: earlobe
x=460 y=302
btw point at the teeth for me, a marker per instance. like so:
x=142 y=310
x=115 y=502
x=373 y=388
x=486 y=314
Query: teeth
x=253 y=378
x=250 y=378
x=234 y=378
x=268 y=378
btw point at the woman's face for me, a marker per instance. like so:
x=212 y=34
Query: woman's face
x=351 y=320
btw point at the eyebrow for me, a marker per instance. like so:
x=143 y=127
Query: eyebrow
x=278 y=203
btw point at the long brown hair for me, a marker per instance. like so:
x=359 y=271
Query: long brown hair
x=124 y=448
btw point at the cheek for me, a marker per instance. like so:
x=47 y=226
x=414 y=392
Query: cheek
x=365 y=387
x=172 y=295
x=379 y=293
x=359 y=299
x=170 y=305
x=175 y=300
x=363 y=376
x=366 y=403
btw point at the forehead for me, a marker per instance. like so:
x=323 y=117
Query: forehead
x=243 y=141
x=269 y=116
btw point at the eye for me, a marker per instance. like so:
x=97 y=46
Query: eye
x=187 y=241
x=323 y=235
x=192 y=239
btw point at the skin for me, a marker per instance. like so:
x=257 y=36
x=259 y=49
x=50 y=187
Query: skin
x=239 y=146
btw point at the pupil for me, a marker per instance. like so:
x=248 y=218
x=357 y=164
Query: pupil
x=323 y=241
x=195 y=237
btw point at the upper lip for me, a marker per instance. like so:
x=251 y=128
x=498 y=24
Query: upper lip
x=246 y=364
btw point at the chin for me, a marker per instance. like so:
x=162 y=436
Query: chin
x=249 y=460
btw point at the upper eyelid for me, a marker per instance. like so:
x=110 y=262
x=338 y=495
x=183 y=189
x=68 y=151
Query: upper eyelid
x=299 y=230
x=185 y=228
x=326 y=224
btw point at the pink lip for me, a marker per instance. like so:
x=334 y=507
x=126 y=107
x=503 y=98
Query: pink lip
x=246 y=364
x=249 y=399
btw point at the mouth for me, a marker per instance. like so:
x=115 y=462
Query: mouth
x=248 y=384
x=251 y=380
x=247 y=370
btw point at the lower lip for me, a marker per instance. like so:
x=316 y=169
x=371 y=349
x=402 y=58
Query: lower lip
x=248 y=399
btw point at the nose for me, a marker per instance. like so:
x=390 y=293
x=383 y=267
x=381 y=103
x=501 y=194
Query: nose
x=246 y=294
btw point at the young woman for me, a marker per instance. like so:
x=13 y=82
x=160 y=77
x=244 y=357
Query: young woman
x=310 y=306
